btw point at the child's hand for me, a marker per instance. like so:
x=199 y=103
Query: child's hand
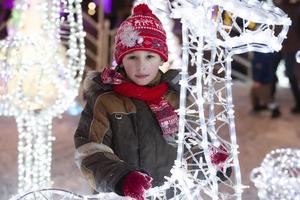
x=219 y=156
x=135 y=184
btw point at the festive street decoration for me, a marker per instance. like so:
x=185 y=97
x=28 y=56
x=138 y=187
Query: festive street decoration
x=41 y=66
x=46 y=194
x=278 y=176
x=57 y=194
x=207 y=143
x=207 y=125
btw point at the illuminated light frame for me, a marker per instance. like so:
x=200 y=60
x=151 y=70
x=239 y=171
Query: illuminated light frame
x=212 y=92
x=278 y=176
x=57 y=43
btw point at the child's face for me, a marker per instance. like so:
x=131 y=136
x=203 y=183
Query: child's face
x=141 y=66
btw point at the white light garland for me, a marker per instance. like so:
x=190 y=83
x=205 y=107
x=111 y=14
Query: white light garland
x=278 y=177
x=41 y=67
x=208 y=45
x=56 y=194
x=35 y=151
x=208 y=124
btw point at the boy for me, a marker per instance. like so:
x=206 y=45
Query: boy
x=126 y=134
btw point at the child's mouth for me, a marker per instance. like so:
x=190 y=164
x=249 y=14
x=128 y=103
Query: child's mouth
x=141 y=76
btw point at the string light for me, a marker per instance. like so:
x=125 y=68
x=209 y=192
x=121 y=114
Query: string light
x=278 y=176
x=46 y=194
x=212 y=92
x=208 y=46
x=41 y=65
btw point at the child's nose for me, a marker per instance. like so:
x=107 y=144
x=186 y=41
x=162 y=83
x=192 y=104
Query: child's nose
x=140 y=64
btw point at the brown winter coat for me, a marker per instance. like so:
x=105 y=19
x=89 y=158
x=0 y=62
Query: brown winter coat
x=117 y=134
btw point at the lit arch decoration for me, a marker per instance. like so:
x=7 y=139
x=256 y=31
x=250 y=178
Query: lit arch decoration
x=208 y=47
x=41 y=67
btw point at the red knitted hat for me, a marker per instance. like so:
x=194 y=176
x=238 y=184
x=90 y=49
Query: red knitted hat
x=141 y=31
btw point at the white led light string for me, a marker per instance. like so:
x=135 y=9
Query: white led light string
x=41 y=64
x=212 y=91
x=34 y=160
x=208 y=124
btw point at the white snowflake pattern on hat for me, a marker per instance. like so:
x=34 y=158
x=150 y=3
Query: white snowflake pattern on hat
x=130 y=37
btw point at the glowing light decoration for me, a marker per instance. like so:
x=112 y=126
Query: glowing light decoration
x=298 y=56
x=278 y=176
x=57 y=194
x=207 y=125
x=41 y=65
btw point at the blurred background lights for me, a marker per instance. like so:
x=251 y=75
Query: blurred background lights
x=92 y=5
x=41 y=67
x=92 y=8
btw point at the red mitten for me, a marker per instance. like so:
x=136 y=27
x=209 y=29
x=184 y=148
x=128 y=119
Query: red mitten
x=219 y=156
x=135 y=184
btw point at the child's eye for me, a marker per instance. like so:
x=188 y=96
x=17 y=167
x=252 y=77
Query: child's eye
x=150 y=56
x=131 y=57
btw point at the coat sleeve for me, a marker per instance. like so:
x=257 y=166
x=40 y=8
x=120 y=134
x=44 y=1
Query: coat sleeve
x=94 y=155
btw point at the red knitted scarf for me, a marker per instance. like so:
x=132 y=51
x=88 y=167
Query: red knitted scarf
x=164 y=112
